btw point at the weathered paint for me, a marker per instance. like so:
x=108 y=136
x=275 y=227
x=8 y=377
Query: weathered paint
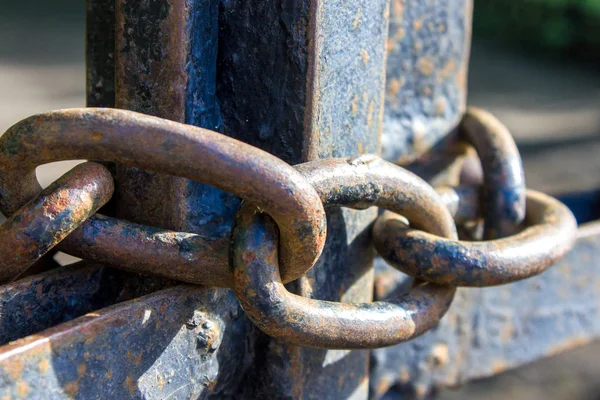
x=161 y=345
x=428 y=53
x=42 y=301
x=487 y=331
x=305 y=79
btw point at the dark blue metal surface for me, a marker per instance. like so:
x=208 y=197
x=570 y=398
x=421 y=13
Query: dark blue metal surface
x=305 y=80
x=487 y=331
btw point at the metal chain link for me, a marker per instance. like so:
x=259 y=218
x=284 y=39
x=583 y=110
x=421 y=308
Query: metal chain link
x=417 y=234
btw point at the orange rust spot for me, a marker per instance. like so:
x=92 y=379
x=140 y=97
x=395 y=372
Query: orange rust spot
x=44 y=366
x=390 y=44
x=425 y=66
x=364 y=54
x=398 y=9
x=498 y=366
x=440 y=106
x=440 y=354
x=248 y=256
x=22 y=388
x=354 y=105
x=394 y=87
x=97 y=136
x=370 y=113
x=448 y=70
x=361 y=149
x=383 y=386
x=108 y=375
x=417 y=24
x=400 y=33
x=426 y=91
x=71 y=388
x=357 y=19
x=130 y=384
x=81 y=369
x=14 y=369
x=569 y=344
x=421 y=390
x=160 y=381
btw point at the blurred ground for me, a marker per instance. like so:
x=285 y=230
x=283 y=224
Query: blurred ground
x=551 y=109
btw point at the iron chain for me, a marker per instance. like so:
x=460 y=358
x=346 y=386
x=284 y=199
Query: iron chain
x=525 y=232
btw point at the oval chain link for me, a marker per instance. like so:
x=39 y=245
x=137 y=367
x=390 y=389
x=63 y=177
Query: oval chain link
x=360 y=183
x=173 y=148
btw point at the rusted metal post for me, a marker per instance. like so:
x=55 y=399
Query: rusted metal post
x=305 y=80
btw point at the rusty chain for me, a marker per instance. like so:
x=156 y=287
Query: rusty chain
x=525 y=232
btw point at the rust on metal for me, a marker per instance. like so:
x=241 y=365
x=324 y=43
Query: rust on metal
x=462 y=201
x=34 y=229
x=360 y=183
x=185 y=257
x=173 y=148
x=315 y=323
x=503 y=176
x=548 y=236
x=369 y=181
x=133 y=348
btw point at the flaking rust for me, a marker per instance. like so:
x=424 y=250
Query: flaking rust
x=38 y=226
x=356 y=183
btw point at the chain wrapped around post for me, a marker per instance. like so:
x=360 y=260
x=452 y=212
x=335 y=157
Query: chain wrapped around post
x=173 y=148
x=257 y=263
x=358 y=183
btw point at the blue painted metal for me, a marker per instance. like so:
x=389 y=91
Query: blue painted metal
x=305 y=80
x=487 y=331
x=428 y=54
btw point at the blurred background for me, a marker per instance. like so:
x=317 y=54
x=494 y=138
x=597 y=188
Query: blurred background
x=534 y=63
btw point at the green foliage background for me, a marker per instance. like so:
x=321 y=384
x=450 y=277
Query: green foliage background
x=555 y=27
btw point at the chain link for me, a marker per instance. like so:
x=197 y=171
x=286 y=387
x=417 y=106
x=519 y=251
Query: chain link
x=526 y=232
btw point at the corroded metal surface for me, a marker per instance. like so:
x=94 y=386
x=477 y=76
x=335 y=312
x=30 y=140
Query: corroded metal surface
x=150 y=347
x=39 y=302
x=358 y=183
x=305 y=79
x=503 y=176
x=34 y=229
x=428 y=51
x=186 y=257
x=463 y=202
x=316 y=323
x=487 y=331
x=152 y=143
x=549 y=235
